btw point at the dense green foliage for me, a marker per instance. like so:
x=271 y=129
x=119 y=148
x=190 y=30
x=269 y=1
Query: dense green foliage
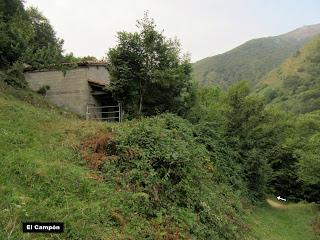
x=173 y=177
x=70 y=58
x=251 y=138
x=148 y=75
x=26 y=38
x=300 y=158
x=164 y=178
x=25 y=32
x=252 y=60
x=265 y=150
x=295 y=86
x=159 y=177
x=159 y=184
x=15 y=30
x=44 y=48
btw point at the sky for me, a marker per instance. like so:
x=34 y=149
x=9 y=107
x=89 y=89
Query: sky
x=204 y=27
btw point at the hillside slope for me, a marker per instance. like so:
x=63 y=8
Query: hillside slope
x=295 y=85
x=253 y=59
x=47 y=173
x=105 y=181
x=42 y=176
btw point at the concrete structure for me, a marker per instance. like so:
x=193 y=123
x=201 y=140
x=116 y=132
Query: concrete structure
x=81 y=89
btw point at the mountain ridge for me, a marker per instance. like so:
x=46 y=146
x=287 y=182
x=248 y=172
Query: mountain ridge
x=253 y=59
x=303 y=32
x=295 y=84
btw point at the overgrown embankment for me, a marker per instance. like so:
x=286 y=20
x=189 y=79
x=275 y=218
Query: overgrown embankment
x=152 y=178
x=156 y=182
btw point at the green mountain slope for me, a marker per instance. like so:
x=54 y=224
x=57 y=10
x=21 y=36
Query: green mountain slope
x=295 y=85
x=253 y=59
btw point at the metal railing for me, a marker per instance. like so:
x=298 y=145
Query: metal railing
x=99 y=112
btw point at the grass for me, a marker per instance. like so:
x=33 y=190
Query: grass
x=276 y=221
x=44 y=178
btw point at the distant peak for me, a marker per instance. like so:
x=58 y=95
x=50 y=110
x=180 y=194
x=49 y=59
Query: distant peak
x=305 y=32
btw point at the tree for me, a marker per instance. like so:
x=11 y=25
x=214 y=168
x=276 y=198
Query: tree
x=44 y=47
x=250 y=137
x=209 y=106
x=147 y=72
x=26 y=36
x=15 y=31
x=309 y=162
x=70 y=58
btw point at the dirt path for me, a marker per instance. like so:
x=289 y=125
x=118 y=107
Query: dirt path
x=275 y=204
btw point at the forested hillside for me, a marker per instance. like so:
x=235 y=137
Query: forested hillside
x=253 y=59
x=295 y=86
x=187 y=162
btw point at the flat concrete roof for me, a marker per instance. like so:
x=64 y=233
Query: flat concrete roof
x=53 y=67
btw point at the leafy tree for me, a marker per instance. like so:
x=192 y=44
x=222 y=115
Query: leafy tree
x=309 y=164
x=44 y=47
x=247 y=133
x=26 y=36
x=209 y=106
x=70 y=58
x=147 y=73
x=15 y=31
x=305 y=142
x=168 y=170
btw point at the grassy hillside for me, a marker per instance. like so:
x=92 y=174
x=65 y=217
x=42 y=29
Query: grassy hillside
x=253 y=59
x=42 y=175
x=295 y=85
x=50 y=172
x=276 y=221
x=55 y=167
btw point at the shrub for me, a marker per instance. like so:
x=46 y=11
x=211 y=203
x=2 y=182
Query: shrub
x=43 y=90
x=13 y=76
x=171 y=174
x=155 y=157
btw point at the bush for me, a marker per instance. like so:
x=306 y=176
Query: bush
x=13 y=76
x=171 y=174
x=155 y=157
x=43 y=90
x=223 y=157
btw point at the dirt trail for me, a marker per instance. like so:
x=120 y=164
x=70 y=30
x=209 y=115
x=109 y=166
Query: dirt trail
x=275 y=204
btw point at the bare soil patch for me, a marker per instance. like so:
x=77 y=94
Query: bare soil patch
x=93 y=150
x=275 y=204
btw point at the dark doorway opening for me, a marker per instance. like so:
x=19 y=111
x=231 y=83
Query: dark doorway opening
x=107 y=109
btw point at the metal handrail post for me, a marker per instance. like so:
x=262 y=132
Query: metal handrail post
x=87 y=112
x=119 y=106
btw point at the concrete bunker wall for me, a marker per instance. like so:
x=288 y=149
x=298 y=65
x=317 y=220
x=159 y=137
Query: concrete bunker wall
x=70 y=89
x=98 y=73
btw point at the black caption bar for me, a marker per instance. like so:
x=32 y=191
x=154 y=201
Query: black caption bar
x=42 y=227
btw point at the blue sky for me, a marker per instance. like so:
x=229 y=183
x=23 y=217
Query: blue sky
x=204 y=27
